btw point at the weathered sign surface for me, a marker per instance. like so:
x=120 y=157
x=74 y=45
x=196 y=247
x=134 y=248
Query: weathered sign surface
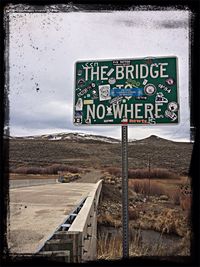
x=129 y=91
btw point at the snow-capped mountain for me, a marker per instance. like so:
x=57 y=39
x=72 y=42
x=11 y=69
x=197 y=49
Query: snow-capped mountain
x=70 y=136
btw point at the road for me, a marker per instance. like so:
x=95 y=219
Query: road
x=36 y=212
x=30 y=182
x=92 y=176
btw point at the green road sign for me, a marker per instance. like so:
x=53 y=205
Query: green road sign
x=129 y=91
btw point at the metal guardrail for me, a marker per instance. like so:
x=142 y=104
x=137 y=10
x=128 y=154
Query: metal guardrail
x=75 y=240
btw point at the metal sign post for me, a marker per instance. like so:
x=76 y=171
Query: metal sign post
x=140 y=91
x=125 y=217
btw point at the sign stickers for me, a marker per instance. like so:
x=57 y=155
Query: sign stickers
x=131 y=91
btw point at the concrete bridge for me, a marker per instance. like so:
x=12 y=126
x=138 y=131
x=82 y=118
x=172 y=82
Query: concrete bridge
x=55 y=220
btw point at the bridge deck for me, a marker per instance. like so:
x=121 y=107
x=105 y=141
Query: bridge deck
x=36 y=211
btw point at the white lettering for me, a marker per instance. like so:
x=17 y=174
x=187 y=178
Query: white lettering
x=161 y=86
x=119 y=85
x=119 y=70
x=129 y=70
x=151 y=120
x=148 y=108
x=95 y=73
x=137 y=110
x=162 y=75
x=86 y=72
x=136 y=71
x=128 y=86
x=102 y=111
x=117 y=111
x=154 y=74
x=142 y=75
x=90 y=112
x=157 y=109
x=103 y=72
x=129 y=110
x=165 y=88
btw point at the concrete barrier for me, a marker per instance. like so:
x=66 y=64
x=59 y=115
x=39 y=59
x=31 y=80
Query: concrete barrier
x=77 y=235
x=86 y=225
x=58 y=256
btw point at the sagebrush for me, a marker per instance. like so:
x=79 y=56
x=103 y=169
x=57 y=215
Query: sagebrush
x=53 y=169
x=143 y=173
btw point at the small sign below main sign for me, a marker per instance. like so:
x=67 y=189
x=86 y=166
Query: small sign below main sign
x=132 y=91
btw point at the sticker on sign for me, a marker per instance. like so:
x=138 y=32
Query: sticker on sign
x=126 y=92
x=133 y=91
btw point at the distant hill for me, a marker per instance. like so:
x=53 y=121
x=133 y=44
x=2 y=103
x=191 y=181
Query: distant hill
x=86 y=150
x=82 y=137
x=69 y=136
x=153 y=139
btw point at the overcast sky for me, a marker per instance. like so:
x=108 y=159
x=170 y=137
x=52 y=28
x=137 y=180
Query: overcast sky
x=43 y=48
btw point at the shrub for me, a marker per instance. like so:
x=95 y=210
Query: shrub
x=53 y=169
x=114 y=171
x=143 y=173
x=174 y=195
x=109 y=248
x=133 y=214
x=144 y=187
x=28 y=170
x=185 y=202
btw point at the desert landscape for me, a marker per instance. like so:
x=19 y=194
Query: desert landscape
x=159 y=186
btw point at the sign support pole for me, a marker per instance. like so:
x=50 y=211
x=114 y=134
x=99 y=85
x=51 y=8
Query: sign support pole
x=125 y=217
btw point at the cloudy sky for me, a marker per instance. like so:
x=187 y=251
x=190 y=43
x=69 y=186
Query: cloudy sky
x=43 y=48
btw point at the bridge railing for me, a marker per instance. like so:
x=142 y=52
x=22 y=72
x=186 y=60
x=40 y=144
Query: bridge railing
x=86 y=225
x=75 y=239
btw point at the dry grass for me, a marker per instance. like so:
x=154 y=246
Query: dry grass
x=109 y=248
x=138 y=248
x=145 y=187
x=109 y=220
x=185 y=202
x=155 y=188
x=133 y=213
x=53 y=169
x=156 y=173
x=170 y=223
x=174 y=195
